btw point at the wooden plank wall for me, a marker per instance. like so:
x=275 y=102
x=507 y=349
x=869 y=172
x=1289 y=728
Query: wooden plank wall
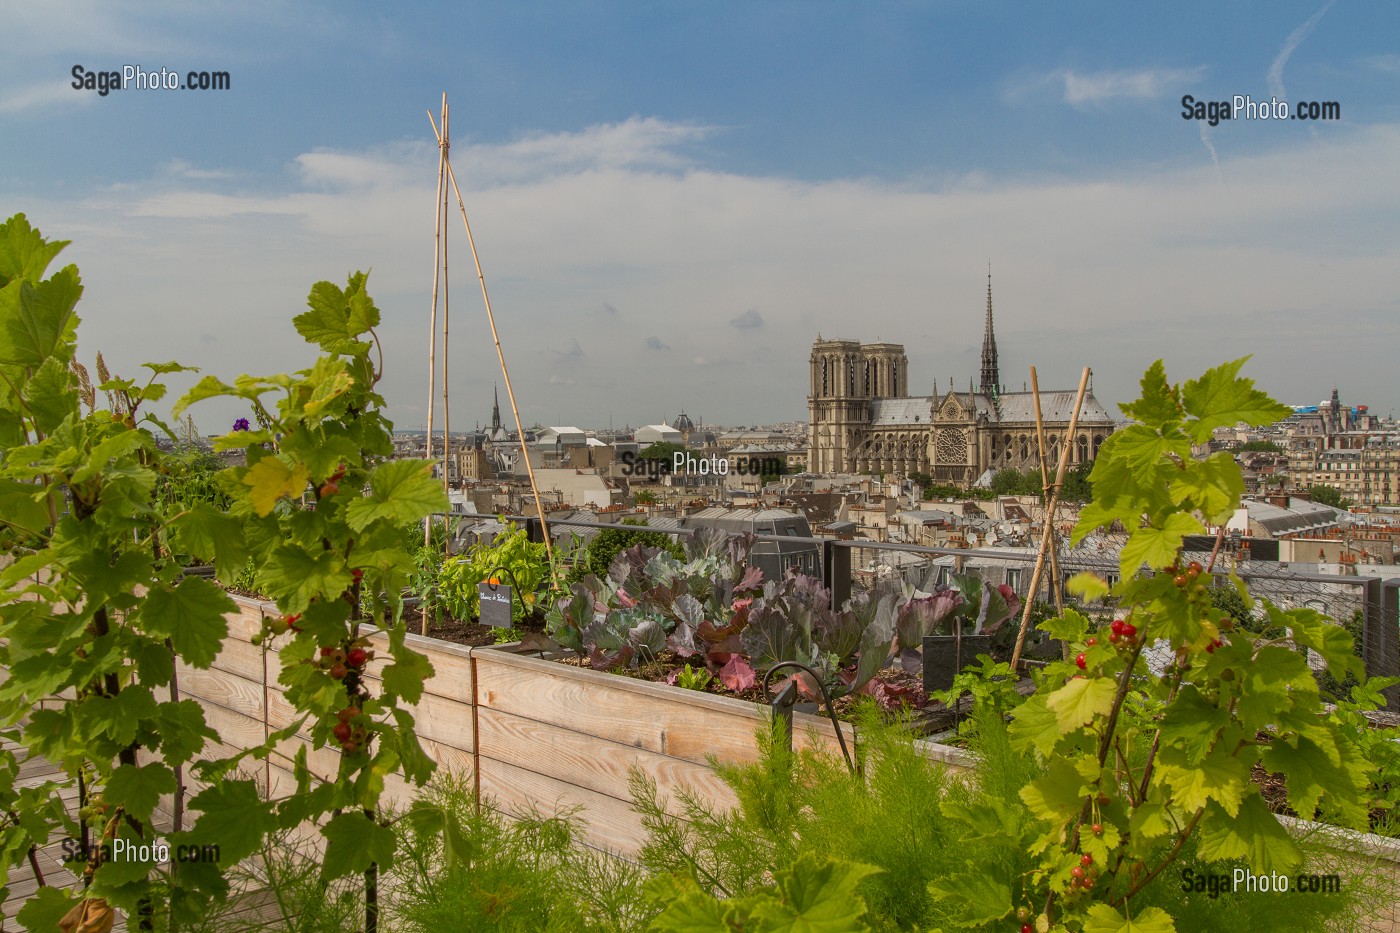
x=536 y=735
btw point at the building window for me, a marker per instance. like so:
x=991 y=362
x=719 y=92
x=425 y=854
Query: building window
x=1013 y=578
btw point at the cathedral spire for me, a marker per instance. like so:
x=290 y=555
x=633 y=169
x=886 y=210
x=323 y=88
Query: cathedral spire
x=496 y=411
x=991 y=376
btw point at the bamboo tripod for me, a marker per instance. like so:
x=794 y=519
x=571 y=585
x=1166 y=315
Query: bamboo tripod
x=1052 y=503
x=446 y=174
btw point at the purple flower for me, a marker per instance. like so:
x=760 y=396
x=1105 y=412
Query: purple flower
x=241 y=424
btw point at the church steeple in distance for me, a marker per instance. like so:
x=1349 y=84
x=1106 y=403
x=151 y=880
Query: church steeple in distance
x=991 y=376
x=496 y=411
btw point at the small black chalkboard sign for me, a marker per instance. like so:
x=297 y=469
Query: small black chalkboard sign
x=495 y=604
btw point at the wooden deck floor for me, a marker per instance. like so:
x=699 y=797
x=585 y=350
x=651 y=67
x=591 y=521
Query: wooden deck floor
x=254 y=910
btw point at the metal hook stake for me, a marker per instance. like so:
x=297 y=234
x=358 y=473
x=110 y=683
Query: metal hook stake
x=785 y=700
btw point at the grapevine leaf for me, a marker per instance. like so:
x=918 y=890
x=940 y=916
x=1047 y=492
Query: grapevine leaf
x=1157 y=547
x=270 y=479
x=1221 y=399
x=355 y=842
x=191 y=615
x=1254 y=834
x=1141 y=449
x=400 y=491
x=1105 y=919
x=138 y=789
x=1080 y=700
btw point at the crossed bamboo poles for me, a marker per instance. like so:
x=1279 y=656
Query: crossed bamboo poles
x=447 y=175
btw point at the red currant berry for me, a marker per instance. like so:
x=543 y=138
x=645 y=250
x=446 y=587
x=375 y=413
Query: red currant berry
x=1180 y=580
x=1115 y=637
x=338 y=671
x=1097 y=829
x=341 y=732
x=1027 y=928
x=357 y=657
x=1078 y=872
x=1117 y=627
x=1091 y=642
x=1086 y=860
x=1129 y=630
x=1195 y=569
x=1080 y=661
x=357 y=574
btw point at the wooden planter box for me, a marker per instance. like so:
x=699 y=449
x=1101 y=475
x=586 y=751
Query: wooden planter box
x=538 y=734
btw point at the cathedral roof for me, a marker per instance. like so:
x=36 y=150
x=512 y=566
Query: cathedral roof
x=1054 y=407
x=914 y=410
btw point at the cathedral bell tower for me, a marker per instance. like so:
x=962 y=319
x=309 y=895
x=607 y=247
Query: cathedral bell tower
x=991 y=375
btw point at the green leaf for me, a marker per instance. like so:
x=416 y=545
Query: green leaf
x=1220 y=399
x=213 y=535
x=191 y=615
x=1150 y=821
x=1070 y=626
x=818 y=895
x=1033 y=723
x=405 y=677
x=1141 y=450
x=1157 y=547
x=687 y=908
x=1080 y=700
x=1192 y=723
x=400 y=491
x=1160 y=405
x=37 y=319
x=1222 y=778
x=335 y=318
x=183 y=731
x=324 y=454
x=270 y=479
x=161 y=369
x=138 y=789
x=233 y=816
x=22 y=505
x=24 y=253
x=1087 y=586
x=44 y=908
x=1214 y=486
x=355 y=842
x=1055 y=796
x=296 y=577
x=1254 y=835
x=1105 y=919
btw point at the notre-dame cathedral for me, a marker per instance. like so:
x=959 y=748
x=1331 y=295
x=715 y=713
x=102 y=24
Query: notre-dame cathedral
x=863 y=421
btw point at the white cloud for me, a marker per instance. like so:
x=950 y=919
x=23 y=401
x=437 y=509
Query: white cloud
x=1110 y=273
x=45 y=95
x=1102 y=86
x=1290 y=45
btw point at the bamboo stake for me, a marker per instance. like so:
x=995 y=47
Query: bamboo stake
x=1054 y=502
x=505 y=373
x=1045 y=497
x=440 y=214
x=440 y=210
x=446 y=283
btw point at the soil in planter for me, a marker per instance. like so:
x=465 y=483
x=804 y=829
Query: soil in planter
x=471 y=633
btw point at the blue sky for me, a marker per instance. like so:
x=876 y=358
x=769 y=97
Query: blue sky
x=672 y=200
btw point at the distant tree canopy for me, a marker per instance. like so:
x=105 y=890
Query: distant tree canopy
x=1329 y=495
x=661 y=450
